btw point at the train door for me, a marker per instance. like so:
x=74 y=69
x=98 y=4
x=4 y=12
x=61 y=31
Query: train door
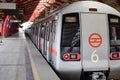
x=44 y=39
x=48 y=40
x=52 y=38
x=94 y=43
x=38 y=36
x=34 y=34
x=40 y=32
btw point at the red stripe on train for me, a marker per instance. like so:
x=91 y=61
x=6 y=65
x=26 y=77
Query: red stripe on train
x=51 y=50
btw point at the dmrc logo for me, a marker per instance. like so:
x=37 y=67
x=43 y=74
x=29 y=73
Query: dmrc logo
x=95 y=40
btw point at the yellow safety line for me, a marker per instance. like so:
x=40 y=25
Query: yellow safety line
x=34 y=70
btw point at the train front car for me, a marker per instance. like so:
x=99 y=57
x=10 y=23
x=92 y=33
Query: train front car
x=90 y=41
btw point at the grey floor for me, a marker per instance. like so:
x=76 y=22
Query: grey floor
x=14 y=59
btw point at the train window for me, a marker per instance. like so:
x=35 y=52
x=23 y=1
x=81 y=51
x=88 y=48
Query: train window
x=114 y=32
x=54 y=29
x=70 y=29
x=48 y=31
x=42 y=31
x=36 y=29
x=115 y=35
x=70 y=37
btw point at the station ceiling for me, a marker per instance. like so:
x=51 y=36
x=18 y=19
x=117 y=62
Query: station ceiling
x=33 y=9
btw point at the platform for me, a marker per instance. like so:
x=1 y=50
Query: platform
x=17 y=61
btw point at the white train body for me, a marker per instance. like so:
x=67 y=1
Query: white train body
x=81 y=39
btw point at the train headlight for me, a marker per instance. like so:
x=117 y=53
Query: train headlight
x=115 y=56
x=66 y=56
x=71 y=56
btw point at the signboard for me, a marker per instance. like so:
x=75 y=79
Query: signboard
x=11 y=12
x=114 y=20
x=7 y=5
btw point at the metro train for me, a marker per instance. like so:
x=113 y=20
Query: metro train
x=81 y=41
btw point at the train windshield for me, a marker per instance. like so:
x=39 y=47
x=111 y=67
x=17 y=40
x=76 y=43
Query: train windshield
x=114 y=30
x=70 y=30
x=114 y=33
x=70 y=37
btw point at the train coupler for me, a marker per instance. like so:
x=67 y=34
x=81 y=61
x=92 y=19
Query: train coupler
x=98 y=76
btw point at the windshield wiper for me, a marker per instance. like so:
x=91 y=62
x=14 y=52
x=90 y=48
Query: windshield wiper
x=75 y=40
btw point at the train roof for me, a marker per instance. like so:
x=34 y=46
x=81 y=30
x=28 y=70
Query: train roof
x=84 y=6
